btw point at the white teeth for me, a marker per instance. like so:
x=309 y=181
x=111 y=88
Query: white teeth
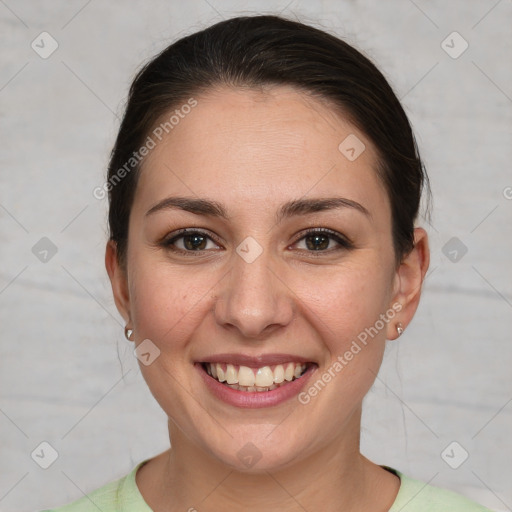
x=246 y=376
x=231 y=377
x=264 y=377
x=249 y=379
x=288 y=374
x=279 y=374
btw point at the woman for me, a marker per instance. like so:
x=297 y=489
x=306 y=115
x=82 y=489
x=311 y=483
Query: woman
x=264 y=187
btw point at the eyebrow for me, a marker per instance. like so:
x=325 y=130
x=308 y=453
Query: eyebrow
x=290 y=209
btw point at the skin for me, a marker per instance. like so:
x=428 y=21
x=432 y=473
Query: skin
x=252 y=151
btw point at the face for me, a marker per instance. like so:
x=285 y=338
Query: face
x=287 y=258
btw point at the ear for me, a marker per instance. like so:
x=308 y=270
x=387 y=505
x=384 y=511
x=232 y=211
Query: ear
x=408 y=281
x=118 y=281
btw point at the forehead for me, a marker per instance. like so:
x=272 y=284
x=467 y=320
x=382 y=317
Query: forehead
x=245 y=146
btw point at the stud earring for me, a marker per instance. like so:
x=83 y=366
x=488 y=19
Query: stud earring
x=128 y=333
x=399 y=329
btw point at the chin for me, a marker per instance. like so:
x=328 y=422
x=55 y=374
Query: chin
x=257 y=453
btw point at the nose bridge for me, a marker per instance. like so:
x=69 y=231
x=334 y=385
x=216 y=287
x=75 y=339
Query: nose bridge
x=253 y=298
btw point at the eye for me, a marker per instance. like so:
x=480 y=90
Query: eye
x=318 y=240
x=323 y=240
x=187 y=240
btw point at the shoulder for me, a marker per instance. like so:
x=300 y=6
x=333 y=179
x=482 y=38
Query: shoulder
x=417 y=496
x=121 y=494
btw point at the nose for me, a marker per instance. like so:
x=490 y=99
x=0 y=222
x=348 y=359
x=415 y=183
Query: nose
x=253 y=299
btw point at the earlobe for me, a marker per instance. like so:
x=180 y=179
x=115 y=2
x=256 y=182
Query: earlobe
x=118 y=280
x=408 y=282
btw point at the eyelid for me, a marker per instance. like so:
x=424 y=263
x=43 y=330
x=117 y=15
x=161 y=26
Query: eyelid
x=341 y=239
x=335 y=234
x=175 y=235
x=168 y=241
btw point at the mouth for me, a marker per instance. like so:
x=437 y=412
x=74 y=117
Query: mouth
x=256 y=379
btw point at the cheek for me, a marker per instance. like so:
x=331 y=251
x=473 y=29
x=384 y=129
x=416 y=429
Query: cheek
x=344 y=310
x=344 y=303
x=168 y=303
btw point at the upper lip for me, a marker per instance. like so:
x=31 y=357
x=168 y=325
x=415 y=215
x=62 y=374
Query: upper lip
x=254 y=361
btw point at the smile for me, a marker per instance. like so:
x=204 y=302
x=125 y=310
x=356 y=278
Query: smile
x=249 y=381
x=265 y=378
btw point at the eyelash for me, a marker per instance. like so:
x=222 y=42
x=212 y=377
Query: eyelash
x=344 y=243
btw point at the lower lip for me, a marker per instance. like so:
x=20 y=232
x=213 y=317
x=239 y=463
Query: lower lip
x=255 y=399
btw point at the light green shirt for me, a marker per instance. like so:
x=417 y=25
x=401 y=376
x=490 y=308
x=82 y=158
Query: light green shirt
x=123 y=495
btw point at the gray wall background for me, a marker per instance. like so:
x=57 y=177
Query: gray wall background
x=67 y=376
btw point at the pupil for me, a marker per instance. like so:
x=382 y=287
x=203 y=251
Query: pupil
x=318 y=242
x=194 y=242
